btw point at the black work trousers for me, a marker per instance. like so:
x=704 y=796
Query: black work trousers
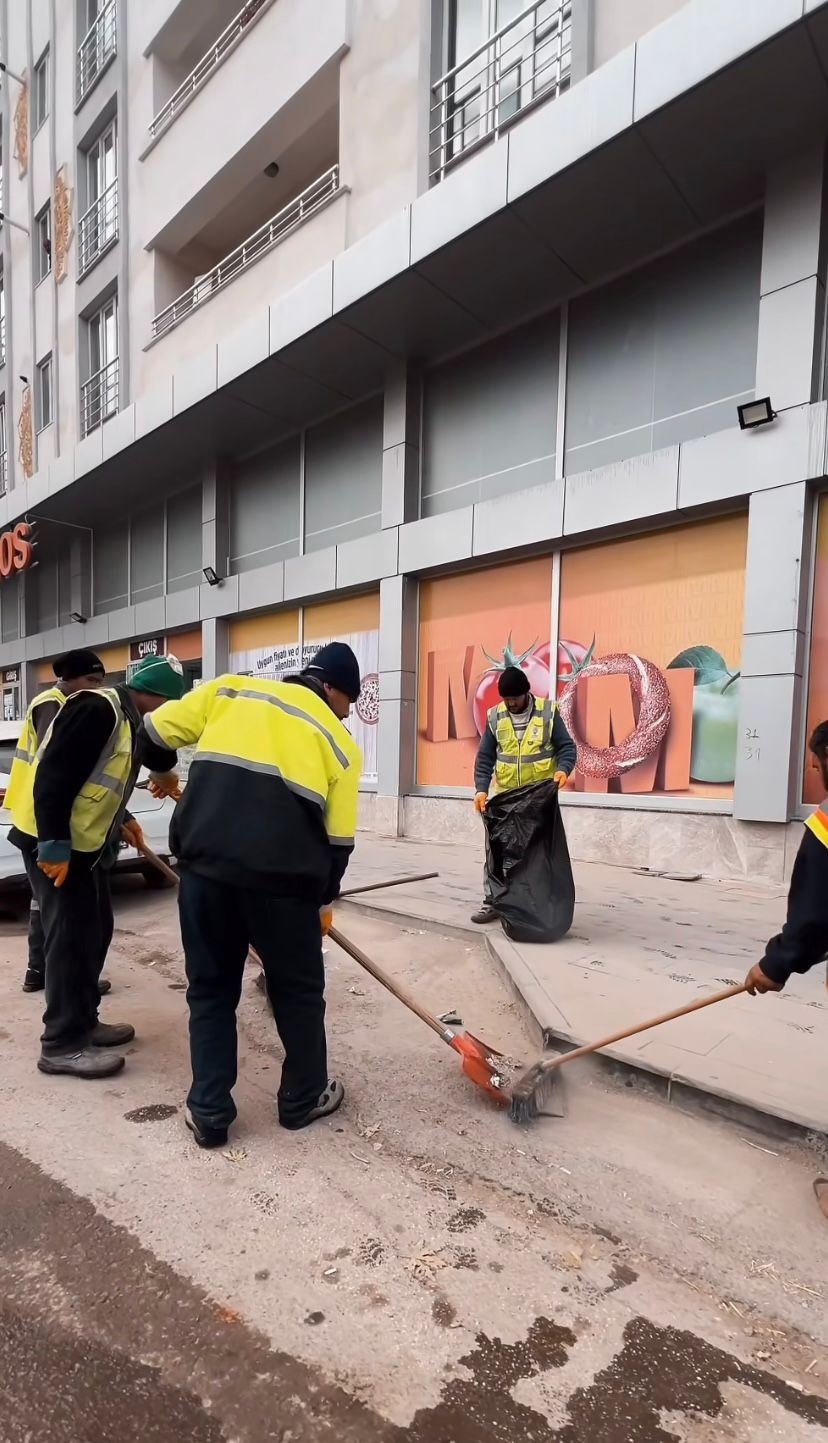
x=77 y=924
x=37 y=954
x=219 y=923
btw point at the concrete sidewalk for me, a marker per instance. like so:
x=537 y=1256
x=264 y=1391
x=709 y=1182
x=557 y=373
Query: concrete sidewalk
x=641 y=945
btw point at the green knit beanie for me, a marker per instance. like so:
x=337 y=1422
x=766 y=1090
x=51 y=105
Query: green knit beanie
x=160 y=676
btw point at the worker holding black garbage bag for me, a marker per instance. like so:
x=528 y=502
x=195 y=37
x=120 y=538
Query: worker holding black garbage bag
x=527 y=748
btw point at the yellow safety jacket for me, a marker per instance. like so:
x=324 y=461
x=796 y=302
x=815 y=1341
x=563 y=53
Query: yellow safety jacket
x=530 y=759
x=273 y=729
x=21 y=780
x=101 y=797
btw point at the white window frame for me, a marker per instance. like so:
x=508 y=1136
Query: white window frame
x=40 y=92
x=4 y=456
x=44 y=387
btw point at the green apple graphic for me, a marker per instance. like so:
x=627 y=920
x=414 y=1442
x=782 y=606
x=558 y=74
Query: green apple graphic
x=715 y=714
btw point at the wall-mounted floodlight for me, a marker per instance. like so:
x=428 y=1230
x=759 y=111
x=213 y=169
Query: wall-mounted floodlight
x=212 y=577
x=756 y=413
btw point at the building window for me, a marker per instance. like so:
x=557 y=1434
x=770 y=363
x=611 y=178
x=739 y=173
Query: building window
x=43 y=245
x=4 y=464
x=40 y=91
x=43 y=394
x=99 y=395
x=98 y=227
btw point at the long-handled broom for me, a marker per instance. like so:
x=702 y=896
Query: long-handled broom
x=533 y=1090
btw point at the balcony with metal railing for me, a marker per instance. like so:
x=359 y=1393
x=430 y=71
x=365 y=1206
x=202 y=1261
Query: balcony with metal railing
x=526 y=61
x=201 y=73
x=97 y=49
x=299 y=210
x=98 y=228
x=99 y=397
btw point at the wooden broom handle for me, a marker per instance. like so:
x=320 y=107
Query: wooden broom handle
x=160 y=865
x=554 y=1062
x=393 y=882
x=382 y=977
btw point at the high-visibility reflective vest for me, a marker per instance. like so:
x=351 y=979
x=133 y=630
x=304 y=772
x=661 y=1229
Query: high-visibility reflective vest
x=530 y=758
x=818 y=824
x=101 y=797
x=21 y=779
x=272 y=728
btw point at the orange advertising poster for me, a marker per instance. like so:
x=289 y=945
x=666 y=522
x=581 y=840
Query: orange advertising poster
x=813 y=790
x=469 y=625
x=655 y=709
x=646 y=668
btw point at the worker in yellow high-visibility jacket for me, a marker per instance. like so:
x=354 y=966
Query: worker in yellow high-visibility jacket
x=78 y=670
x=803 y=941
x=262 y=835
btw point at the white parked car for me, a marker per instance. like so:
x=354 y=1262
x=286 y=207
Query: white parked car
x=154 y=817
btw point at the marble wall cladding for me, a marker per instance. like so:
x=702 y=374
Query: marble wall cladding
x=716 y=846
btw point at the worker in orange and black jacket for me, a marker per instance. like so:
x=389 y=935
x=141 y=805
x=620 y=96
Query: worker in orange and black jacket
x=803 y=941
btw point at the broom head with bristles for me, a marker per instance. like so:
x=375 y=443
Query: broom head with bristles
x=532 y=1093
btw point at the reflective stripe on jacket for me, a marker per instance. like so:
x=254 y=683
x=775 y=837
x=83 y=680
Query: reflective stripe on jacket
x=21 y=777
x=531 y=758
x=818 y=824
x=274 y=730
x=101 y=797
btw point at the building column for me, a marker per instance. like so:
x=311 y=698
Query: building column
x=397 y=728
x=770 y=746
x=215 y=549
x=792 y=291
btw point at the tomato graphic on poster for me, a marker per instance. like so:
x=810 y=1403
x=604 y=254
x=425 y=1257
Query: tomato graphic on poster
x=536 y=662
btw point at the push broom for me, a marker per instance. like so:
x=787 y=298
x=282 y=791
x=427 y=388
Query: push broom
x=532 y=1092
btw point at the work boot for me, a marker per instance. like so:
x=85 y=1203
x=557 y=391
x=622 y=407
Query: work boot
x=821 y=1194
x=111 y=1034
x=330 y=1100
x=88 y=1063
x=486 y=914
x=205 y=1136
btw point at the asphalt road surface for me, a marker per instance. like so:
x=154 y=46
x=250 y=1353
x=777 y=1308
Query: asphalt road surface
x=417 y=1269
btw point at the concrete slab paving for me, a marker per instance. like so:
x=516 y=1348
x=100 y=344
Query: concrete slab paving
x=640 y=945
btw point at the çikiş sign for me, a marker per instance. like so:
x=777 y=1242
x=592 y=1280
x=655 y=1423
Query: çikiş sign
x=149 y=646
x=15 y=549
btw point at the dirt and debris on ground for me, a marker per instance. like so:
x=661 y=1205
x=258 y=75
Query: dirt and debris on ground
x=414 y=1270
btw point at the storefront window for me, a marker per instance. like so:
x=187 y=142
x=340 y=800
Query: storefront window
x=645 y=669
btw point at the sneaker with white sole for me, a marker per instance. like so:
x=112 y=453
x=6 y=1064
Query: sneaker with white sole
x=329 y=1102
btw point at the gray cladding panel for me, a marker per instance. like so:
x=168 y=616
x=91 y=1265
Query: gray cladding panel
x=653 y=356
x=147 y=555
x=490 y=419
x=343 y=476
x=110 y=553
x=184 y=539
x=264 y=508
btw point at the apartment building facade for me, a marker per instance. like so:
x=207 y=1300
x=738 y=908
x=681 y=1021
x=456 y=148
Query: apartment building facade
x=431 y=324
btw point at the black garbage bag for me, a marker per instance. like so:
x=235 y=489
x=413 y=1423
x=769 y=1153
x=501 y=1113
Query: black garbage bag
x=527 y=860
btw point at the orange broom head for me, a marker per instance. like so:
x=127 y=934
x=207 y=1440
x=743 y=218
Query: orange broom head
x=479 y=1067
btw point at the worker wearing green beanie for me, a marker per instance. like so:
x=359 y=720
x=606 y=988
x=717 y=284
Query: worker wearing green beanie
x=68 y=822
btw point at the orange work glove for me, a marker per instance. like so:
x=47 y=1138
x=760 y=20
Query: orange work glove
x=131 y=834
x=164 y=784
x=57 y=872
x=561 y=778
x=325 y=919
x=480 y=800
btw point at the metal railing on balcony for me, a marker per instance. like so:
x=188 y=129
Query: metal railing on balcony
x=99 y=397
x=527 y=60
x=97 y=48
x=98 y=228
x=201 y=73
x=258 y=244
x=2 y=340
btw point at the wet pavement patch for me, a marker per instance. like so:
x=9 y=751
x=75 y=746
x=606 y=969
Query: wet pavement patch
x=662 y=1370
x=621 y=1276
x=443 y=1312
x=156 y=1112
